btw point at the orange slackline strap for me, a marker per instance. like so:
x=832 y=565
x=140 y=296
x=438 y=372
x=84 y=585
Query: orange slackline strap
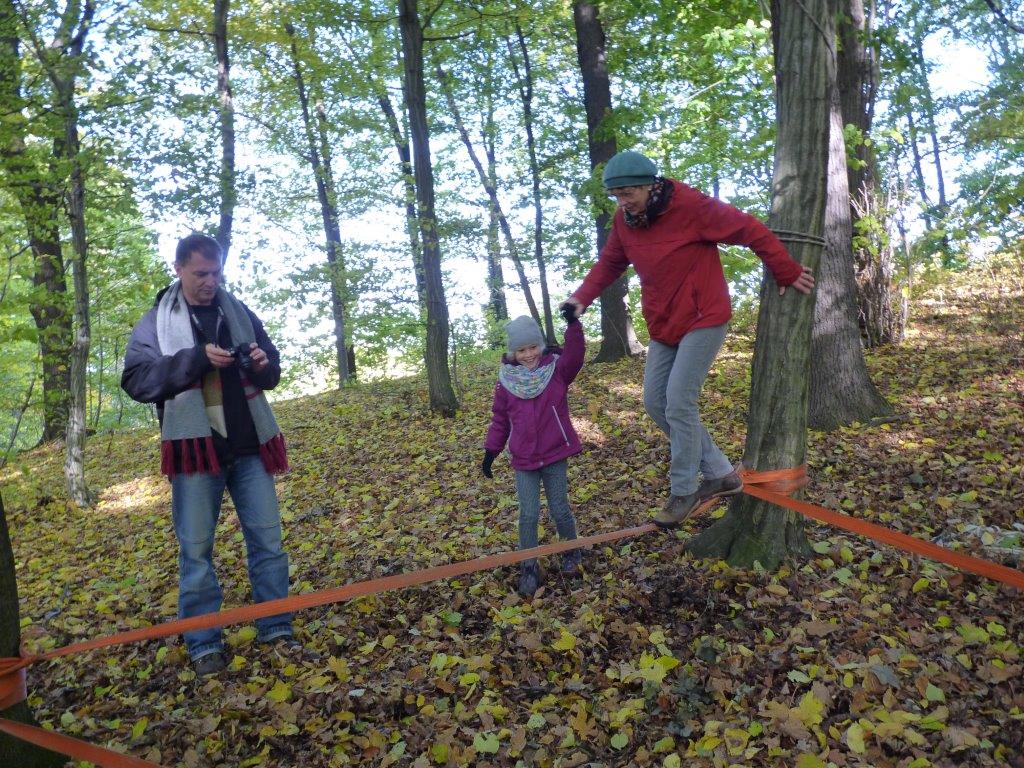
x=76 y=748
x=769 y=486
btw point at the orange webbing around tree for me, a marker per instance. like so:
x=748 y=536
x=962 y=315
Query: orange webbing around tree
x=755 y=485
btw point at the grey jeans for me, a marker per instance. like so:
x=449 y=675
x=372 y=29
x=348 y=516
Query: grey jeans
x=673 y=380
x=556 y=489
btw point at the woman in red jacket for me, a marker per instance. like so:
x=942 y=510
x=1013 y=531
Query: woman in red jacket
x=670 y=233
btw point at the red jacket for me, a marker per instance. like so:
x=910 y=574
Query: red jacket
x=682 y=285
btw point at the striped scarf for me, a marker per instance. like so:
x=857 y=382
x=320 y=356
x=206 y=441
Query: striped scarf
x=186 y=434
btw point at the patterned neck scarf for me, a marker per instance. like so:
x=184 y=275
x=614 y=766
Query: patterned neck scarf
x=661 y=194
x=524 y=383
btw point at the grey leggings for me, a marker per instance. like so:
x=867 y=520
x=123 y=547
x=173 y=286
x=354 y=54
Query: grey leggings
x=556 y=489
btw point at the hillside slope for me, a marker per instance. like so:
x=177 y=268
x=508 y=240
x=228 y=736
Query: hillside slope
x=861 y=656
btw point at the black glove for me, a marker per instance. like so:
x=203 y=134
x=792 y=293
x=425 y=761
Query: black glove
x=568 y=311
x=485 y=465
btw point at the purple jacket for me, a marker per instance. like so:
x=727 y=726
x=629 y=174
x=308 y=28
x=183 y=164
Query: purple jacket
x=539 y=431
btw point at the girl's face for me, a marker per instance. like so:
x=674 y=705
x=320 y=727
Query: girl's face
x=529 y=356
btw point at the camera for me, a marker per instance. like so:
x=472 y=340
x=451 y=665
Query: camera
x=242 y=356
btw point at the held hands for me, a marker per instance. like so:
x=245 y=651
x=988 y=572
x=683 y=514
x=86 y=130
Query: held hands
x=570 y=309
x=485 y=465
x=804 y=283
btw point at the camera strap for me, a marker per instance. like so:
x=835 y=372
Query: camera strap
x=197 y=324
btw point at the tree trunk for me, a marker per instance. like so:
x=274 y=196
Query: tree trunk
x=320 y=163
x=15 y=752
x=63 y=73
x=492 y=195
x=439 y=382
x=841 y=391
x=228 y=193
x=618 y=337
x=753 y=530
x=409 y=185
x=39 y=202
x=497 y=305
x=526 y=97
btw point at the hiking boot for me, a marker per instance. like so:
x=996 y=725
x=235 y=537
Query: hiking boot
x=571 y=562
x=209 y=664
x=529 y=578
x=729 y=485
x=676 y=510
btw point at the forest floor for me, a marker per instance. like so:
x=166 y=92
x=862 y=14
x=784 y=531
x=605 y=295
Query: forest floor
x=859 y=656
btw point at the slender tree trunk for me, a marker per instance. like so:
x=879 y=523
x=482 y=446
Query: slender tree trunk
x=228 y=192
x=320 y=163
x=409 y=185
x=841 y=391
x=753 y=530
x=497 y=305
x=526 y=97
x=439 y=382
x=14 y=752
x=64 y=75
x=618 y=337
x=922 y=188
x=492 y=195
x=40 y=207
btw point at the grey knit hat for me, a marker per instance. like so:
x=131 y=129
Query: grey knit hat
x=628 y=169
x=522 y=332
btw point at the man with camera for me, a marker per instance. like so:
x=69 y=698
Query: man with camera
x=204 y=359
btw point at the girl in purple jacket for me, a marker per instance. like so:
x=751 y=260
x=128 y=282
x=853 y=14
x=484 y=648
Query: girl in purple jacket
x=531 y=414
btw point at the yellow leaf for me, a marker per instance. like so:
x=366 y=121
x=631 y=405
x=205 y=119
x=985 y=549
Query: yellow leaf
x=280 y=692
x=566 y=642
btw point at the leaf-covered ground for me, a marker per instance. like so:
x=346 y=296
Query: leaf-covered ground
x=861 y=656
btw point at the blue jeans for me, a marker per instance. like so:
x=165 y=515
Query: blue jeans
x=195 y=504
x=673 y=379
x=556 y=489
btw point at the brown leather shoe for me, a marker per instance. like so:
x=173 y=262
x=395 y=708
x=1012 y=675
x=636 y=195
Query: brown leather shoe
x=676 y=510
x=729 y=485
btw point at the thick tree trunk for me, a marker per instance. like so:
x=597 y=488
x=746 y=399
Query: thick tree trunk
x=492 y=194
x=618 y=337
x=841 y=390
x=526 y=97
x=439 y=381
x=39 y=202
x=228 y=193
x=320 y=163
x=753 y=530
x=14 y=752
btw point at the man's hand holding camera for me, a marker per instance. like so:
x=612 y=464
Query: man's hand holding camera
x=252 y=360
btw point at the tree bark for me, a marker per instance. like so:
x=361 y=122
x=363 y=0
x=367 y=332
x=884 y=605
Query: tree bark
x=228 y=192
x=39 y=202
x=320 y=163
x=753 y=530
x=618 y=337
x=14 y=752
x=526 y=97
x=439 y=382
x=841 y=390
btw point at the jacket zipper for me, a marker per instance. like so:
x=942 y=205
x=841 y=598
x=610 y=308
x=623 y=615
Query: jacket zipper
x=560 y=427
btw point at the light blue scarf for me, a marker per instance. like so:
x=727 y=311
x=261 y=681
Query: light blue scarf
x=524 y=383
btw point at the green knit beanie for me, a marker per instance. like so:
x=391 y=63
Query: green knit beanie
x=628 y=169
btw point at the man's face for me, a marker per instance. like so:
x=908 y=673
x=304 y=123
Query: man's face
x=200 y=278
